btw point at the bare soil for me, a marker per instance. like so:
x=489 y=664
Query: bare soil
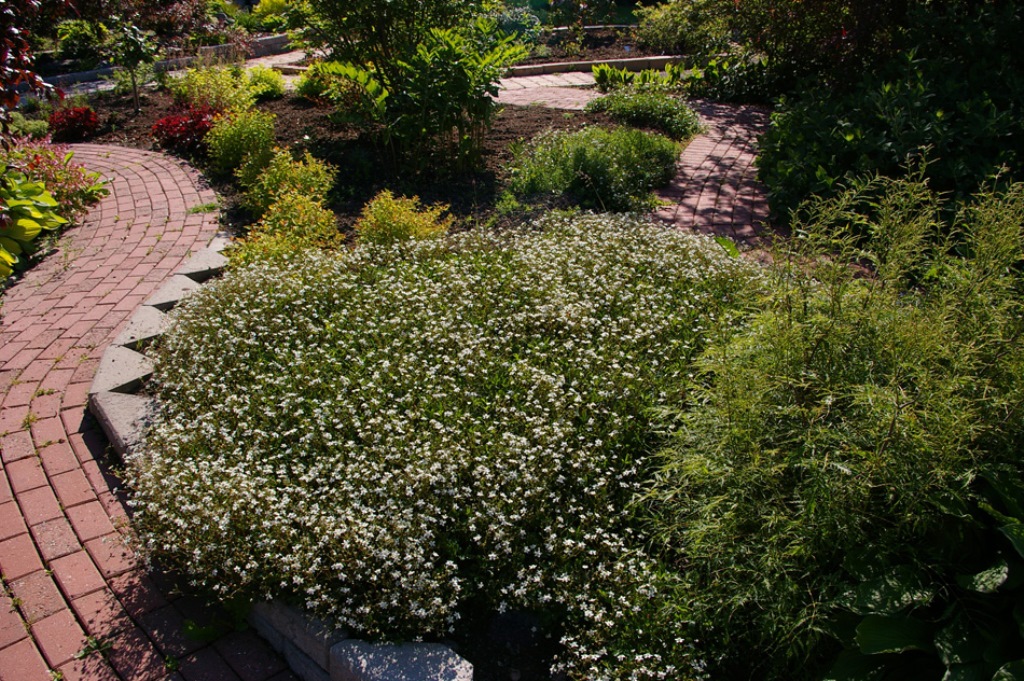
x=364 y=171
x=597 y=44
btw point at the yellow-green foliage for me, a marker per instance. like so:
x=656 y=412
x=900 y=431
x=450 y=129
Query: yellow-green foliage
x=237 y=135
x=265 y=82
x=387 y=220
x=218 y=88
x=281 y=175
x=270 y=9
x=292 y=224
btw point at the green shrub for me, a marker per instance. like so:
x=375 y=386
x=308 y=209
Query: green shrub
x=237 y=136
x=265 y=82
x=293 y=224
x=436 y=105
x=648 y=108
x=81 y=39
x=219 y=88
x=387 y=220
x=962 y=114
x=839 y=436
x=693 y=28
x=739 y=78
x=282 y=175
x=609 y=78
x=272 y=15
x=315 y=81
x=25 y=127
x=612 y=170
x=395 y=435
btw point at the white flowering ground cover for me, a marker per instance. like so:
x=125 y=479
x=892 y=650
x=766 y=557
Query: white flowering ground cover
x=388 y=435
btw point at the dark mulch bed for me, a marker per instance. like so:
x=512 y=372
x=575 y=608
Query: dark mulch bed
x=301 y=125
x=598 y=44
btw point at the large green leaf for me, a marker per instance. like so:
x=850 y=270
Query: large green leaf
x=978 y=671
x=853 y=666
x=1014 y=671
x=889 y=594
x=23 y=230
x=960 y=642
x=1015 y=533
x=987 y=581
x=12 y=247
x=878 y=634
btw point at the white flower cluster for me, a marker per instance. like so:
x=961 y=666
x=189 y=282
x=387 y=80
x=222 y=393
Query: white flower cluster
x=386 y=434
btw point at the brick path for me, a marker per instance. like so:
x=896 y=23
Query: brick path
x=715 y=190
x=69 y=582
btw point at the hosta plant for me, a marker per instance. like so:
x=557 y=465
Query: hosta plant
x=26 y=211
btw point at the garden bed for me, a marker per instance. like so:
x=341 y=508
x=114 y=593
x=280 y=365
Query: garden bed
x=303 y=125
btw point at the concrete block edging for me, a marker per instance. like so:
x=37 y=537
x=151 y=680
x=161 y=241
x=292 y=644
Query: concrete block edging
x=313 y=650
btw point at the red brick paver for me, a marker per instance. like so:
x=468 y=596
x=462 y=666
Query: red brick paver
x=716 y=190
x=75 y=599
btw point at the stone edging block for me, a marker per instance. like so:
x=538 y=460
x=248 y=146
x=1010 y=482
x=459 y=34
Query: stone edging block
x=123 y=418
x=121 y=370
x=313 y=650
x=146 y=325
x=168 y=295
x=354 y=660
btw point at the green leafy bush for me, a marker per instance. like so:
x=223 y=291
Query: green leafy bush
x=283 y=175
x=962 y=113
x=739 y=78
x=237 y=136
x=221 y=89
x=390 y=436
x=315 y=81
x=387 y=220
x=609 y=78
x=694 y=28
x=272 y=15
x=840 y=434
x=265 y=82
x=649 y=108
x=81 y=39
x=293 y=224
x=436 y=105
x=614 y=170
x=28 y=127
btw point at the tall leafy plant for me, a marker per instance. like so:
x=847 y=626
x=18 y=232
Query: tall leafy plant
x=131 y=50
x=840 y=434
x=439 y=101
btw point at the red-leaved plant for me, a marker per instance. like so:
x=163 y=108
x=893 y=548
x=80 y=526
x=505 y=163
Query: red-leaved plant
x=71 y=124
x=184 y=132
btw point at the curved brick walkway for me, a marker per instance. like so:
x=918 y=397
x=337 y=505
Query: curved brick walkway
x=716 y=190
x=70 y=585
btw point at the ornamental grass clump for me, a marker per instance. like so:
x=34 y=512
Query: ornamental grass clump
x=389 y=435
x=608 y=170
x=831 y=450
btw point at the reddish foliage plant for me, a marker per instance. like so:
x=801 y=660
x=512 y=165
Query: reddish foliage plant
x=184 y=132
x=71 y=124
